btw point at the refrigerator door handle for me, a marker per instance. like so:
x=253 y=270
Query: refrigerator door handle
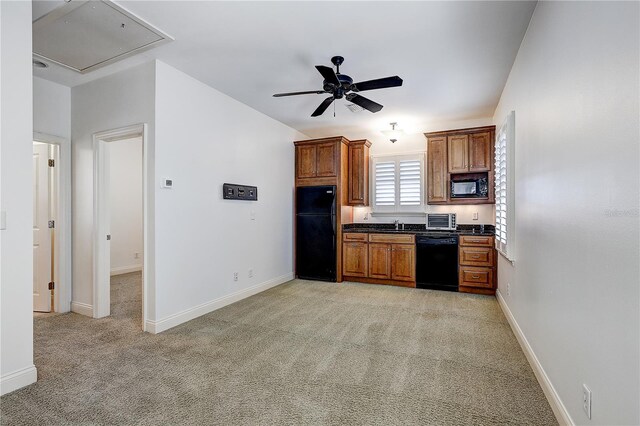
x=333 y=214
x=333 y=224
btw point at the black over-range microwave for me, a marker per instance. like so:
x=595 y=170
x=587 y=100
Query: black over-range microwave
x=470 y=188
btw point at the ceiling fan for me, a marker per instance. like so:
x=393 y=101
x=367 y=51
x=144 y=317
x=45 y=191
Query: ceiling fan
x=339 y=86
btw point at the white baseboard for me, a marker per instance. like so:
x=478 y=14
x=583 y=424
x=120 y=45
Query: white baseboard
x=559 y=410
x=125 y=269
x=82 y=308
x=18 y=379
x=191 y=313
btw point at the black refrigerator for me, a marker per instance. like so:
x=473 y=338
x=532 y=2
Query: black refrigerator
x=316 y=233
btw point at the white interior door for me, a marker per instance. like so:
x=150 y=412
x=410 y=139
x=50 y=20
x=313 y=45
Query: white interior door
x=41 y=231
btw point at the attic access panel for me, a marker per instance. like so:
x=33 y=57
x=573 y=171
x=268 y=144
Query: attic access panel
x=86 y=35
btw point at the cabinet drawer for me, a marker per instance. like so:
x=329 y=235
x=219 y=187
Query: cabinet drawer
x=392 y=238
x=479 y=241
x=354 y=236
x=476 y=256
x=470 y=276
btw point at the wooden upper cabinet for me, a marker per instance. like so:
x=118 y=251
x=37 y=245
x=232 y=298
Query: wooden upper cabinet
x=359 y=173
x=321 y=161
x=437 y=170
x=327 y=159
x=467 y=154
x=458 y=153
x=306 y=161
x=403 y=262
x=380 y=260
x=480 y=152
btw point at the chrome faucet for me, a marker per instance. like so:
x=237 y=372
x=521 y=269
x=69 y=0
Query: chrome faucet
x=397 y=223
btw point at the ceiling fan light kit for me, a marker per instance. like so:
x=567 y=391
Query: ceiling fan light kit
x=342 y=86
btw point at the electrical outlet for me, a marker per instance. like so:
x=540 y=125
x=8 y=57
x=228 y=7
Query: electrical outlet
x=508 y=289
x=475 y=215
x=235 y=276
x=250 y=273
x=586 y=400
x=136 y=255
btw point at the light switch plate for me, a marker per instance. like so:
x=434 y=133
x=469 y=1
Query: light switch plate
x=3 y=220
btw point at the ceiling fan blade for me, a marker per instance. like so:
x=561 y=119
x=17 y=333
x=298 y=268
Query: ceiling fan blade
x=323 y=107
x=380 y=83
x=309 y=92
x=329 y=74
x=365 y=103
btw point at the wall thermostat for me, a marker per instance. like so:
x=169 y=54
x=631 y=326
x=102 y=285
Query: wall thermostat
x=232 y=191
x=167 y=183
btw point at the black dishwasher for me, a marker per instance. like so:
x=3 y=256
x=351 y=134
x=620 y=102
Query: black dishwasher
x=437 y=262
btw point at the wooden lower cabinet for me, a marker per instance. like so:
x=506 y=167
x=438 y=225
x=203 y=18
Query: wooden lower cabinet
x=477 y=268
x=355 y=259
x=403 y=262
x=379 y=260
x=389 y=259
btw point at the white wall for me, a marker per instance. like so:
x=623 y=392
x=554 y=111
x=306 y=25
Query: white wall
x=413 y=142
x=125 y=196
x=115 y=101
x=204 y=139
x=574 y=287
x=51 y=108
x=16 y=241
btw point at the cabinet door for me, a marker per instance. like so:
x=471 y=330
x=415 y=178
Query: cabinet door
x=458 y=153
x=403 y=262
x=327 y=160
x=480 y=152
x=379 y=260
x=358 y=175
x=306 y=161
x=354 y=259
x=437 y=170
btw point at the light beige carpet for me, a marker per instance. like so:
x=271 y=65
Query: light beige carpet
x=301 y=353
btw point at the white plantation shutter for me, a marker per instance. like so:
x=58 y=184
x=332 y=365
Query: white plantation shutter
x=385 y=183
x=398 y=183
x=504 y=187
x=410 y=183
x=501 y=190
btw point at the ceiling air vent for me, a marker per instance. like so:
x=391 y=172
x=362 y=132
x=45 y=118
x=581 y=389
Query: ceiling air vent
x=86 y=35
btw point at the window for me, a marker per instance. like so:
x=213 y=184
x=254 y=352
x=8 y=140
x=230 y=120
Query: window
x=398 y=183
x=504 y=187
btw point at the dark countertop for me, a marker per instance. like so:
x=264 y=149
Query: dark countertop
x=416 y=229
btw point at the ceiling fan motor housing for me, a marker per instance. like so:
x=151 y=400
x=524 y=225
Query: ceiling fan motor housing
x=345 y=84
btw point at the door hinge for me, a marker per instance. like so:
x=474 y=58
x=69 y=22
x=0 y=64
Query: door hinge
x=52 y=163
x=52 y=285
x=52 y=224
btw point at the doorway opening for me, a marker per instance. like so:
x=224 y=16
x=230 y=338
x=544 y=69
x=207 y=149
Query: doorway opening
x=45 y=206
x=120 y=206
x=51 y=224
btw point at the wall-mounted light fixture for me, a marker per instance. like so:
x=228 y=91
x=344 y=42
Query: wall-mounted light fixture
x=394 y=134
